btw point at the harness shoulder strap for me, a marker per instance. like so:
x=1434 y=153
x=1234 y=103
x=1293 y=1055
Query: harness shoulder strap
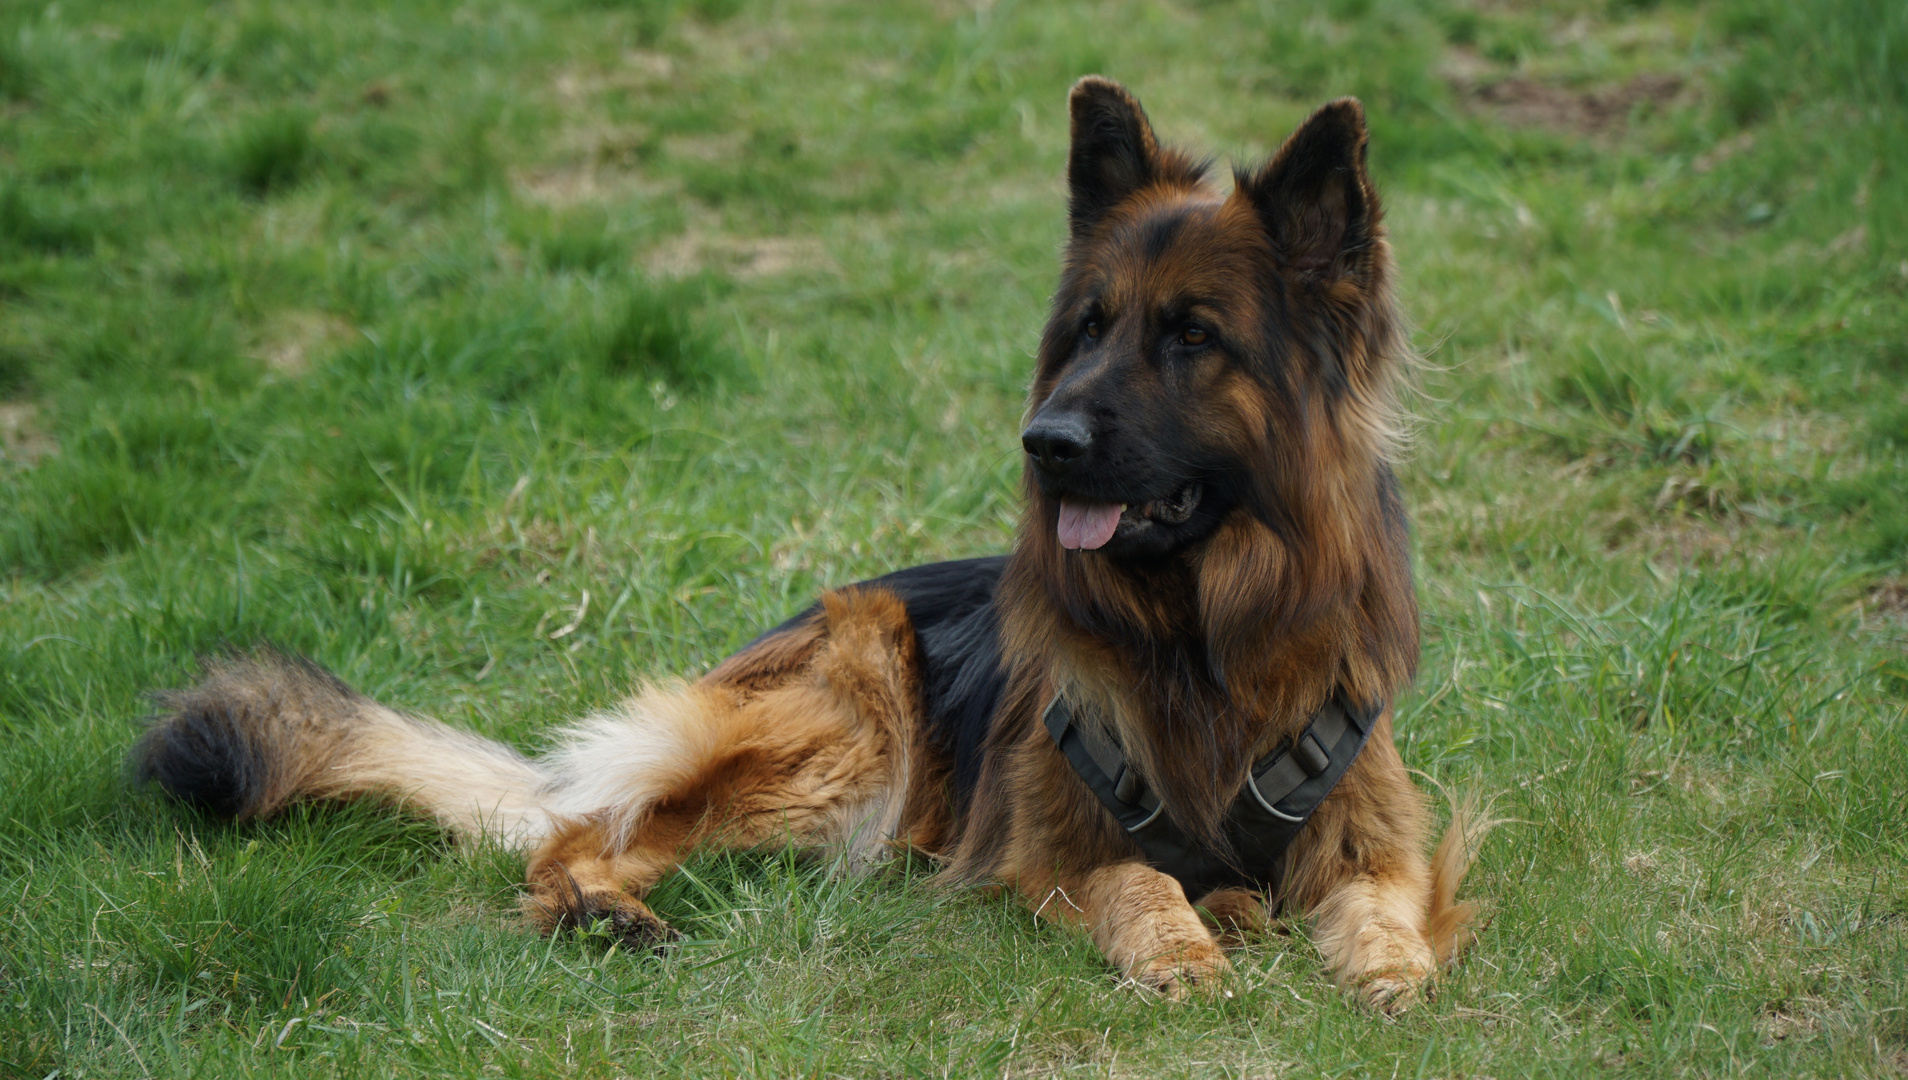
x=1290 y=783
x=1104 y=768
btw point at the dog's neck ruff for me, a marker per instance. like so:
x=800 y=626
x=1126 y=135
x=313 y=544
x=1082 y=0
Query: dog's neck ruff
x=1279 y=795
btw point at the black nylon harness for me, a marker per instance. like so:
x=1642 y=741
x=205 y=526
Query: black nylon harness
x=1279 y=795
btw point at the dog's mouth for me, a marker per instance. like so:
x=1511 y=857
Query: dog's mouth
x=1086 y=525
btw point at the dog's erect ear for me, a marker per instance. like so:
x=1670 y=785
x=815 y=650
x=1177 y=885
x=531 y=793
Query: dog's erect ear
x=1113 y=152
x=1317 y=203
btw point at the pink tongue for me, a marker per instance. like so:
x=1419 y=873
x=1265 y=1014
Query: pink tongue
x=1087 y=524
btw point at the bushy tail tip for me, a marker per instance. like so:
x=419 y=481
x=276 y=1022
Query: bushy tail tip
x=263 y=729
x=238 y=744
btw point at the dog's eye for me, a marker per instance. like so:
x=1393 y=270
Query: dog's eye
x=1192 y=336
x=1092 y=328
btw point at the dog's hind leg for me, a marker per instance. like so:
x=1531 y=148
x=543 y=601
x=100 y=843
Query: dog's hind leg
x=820 y=758
x=577 y=881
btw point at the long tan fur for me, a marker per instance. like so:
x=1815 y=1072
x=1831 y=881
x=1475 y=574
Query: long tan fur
x=1452 y=923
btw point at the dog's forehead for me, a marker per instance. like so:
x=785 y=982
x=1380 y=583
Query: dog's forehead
x=1177 y=248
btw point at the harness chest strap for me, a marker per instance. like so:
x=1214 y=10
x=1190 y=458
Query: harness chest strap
x=1279 y=795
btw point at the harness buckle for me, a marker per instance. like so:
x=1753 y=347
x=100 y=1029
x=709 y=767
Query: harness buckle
x=1310 y=756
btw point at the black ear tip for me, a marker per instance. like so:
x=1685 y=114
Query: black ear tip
x=1099 y=93
x=1345 y=117
x=1096 y=84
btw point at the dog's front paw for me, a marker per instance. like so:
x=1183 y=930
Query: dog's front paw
x=1202 y=971
x=1392 y=990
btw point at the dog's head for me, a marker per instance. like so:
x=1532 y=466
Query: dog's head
x=1209 y=356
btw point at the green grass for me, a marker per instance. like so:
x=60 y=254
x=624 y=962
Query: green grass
x=388 y=332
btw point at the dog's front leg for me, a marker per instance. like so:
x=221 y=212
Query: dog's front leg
x=1360 y=873
x=1140 y=919
x=1371 y=931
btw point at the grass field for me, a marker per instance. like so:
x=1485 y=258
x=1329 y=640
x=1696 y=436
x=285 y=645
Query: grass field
x=502 y=354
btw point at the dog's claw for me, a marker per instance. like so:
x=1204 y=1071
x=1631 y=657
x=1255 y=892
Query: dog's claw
x=1391 y=993
x=624 y=922
x=641 y=931
x=1178 y=978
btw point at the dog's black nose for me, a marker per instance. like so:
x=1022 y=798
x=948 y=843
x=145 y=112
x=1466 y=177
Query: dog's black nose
x=1056 y=442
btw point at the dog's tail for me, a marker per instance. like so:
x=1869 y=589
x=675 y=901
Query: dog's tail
x=263 y=730
x=1450 y=922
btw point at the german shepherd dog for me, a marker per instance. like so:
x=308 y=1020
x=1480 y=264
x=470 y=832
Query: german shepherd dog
x=1212 y=549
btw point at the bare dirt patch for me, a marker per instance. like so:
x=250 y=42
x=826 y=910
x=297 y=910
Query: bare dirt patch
x=742 y=258
x=575 y=87
x=712 y=148
x=21 y=440
x=1784 y=1022
x=593 y=158
x=1520 y=101
x=593 y=163
x=1695 y=495
x=1681 y=539
x=1723 y=151
x=294 y=339
x=1886 y=605
x=1641 y=864
x=564 y=187
x=1890 y=597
